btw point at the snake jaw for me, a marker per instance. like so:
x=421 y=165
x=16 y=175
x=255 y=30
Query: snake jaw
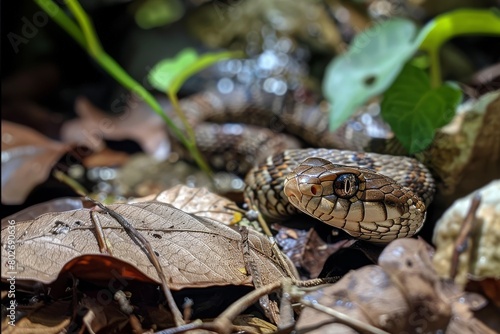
x=379 y=210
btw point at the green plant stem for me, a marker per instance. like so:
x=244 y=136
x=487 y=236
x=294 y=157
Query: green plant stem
x=56 y=13
x=93 y=44
x=172 y=96
x=450 y=25
x=72 y=183
x=435 y=69
x=88 y=40
x=191 y=140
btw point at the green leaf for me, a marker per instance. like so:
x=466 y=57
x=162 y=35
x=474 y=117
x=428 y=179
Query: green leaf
x=157 y=13
x=453 y=24
x=170 y=74
x=373 y=61
x=414 y=109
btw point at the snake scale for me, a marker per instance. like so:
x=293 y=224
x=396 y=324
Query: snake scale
x=371 y=196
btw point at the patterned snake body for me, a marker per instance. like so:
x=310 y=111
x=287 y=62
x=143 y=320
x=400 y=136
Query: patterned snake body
x=384 y=197
x=268 y=120
x=371 y=196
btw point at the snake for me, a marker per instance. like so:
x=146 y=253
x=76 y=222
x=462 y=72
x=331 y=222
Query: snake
x=371 y=196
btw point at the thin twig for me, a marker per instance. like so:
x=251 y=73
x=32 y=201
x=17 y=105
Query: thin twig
x=181 y=329
x=269 y=306
x=290 y=271
x=262 y=222
x=72 y=183
x=144 y=244
x=102 y=241
x=462 y=240
x=286 y=308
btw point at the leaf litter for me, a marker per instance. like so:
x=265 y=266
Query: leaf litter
x=194 y=251
x=198 y=250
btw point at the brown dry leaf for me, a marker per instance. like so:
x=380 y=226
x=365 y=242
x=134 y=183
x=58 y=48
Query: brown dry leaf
x=200 y=202
x=52 y=318
x=317 y=251
x=54 y=205
x=291 y=241
x=193 y=251
x=98 y=315
x=490 y=287
x=27 y=159
x=366 y=289
x=336 y=256
x=409 y=266
x=106 y=157
x=401 y=295
x=136 y=123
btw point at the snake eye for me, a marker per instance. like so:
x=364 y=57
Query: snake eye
x=346 y=185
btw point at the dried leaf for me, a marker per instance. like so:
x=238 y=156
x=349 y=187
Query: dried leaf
x=49 y=319
x=98 y=315
x=366 y=295
x=54 y=205
x=194 y=251
x=410 y=267
x=197 y=201
x=317 y=251
x=402 y=294
x=106 y=157
x=291 y=241
x=336 y=256
x=489 y=287
x=136 y=123
x=27 y=159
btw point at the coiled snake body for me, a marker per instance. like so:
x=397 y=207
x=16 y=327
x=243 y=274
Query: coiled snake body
x=371 y=196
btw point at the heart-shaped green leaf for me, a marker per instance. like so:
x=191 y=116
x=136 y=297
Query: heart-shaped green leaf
x=170 y=74
x=414 y=109
x=372 y=63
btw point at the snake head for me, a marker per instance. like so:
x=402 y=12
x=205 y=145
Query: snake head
x=361 y=202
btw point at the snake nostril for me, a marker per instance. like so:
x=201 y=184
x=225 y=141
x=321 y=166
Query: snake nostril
x=315 y=189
